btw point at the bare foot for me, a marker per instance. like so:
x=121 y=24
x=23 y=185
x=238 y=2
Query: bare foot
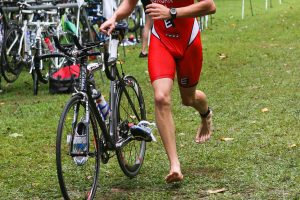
x=205 y=129
x=174 y=177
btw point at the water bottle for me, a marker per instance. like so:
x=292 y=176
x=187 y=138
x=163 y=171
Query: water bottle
x=102 y=105
x=27 y=41
x=32 y=39
x=49 y=45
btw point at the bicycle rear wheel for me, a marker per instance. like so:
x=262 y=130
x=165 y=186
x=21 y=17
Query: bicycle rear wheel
x=35 y=82
x=131 y=156
x=10 y=59
x=41 y=69
x=77 y=180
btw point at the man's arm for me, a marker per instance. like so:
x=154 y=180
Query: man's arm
x=201 y=8
x=123 y=11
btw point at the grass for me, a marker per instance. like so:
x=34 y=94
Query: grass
x=258 y=68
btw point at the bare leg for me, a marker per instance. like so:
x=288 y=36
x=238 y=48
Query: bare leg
x=164 y=120
x=197 y=99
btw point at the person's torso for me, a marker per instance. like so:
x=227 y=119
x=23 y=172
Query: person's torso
x=176 y=35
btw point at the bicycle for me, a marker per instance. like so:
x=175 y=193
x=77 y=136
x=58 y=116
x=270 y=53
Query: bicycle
x=94 y=15
x=125 y=132
x=136 y=20
x=8 y=12
x=25 y=42
x=7 y=19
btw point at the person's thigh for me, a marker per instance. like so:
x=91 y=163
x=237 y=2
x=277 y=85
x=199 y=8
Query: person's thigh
x=161 y=64
x=190 y=66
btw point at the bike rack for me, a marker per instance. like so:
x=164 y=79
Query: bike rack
x=44 y=7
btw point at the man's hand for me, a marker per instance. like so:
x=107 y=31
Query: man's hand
x=158 y=11
x=108 y=26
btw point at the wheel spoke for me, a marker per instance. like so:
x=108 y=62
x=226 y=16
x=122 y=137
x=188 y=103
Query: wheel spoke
x=77 y=179
x=129 y=111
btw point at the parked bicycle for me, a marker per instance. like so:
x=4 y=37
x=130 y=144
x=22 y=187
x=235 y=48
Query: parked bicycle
x=136 y=21
x=85 y=136
x=29 y=38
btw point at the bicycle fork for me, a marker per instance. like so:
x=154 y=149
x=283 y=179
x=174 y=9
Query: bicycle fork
x=86 y=121
x=38 y=50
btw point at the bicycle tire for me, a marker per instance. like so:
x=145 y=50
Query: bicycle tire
x=11 y=65
x=130 y=162
x=35 y=82
x=45 y=66
x=77 y=182
x=38 y=75
x=134 y=19
x=42 y=68
x=42 y=75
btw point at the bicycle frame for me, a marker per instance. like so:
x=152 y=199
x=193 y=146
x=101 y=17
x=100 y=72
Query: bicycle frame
x=109 y=133
x=89 y=135
x=86 y=91
x=23 y=39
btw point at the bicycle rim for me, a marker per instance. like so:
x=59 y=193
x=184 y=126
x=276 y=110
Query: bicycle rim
x=7 y=74
x=131 y=156
x=11 y=65
x=42 y=70
x=134 y=20
x=76 y=181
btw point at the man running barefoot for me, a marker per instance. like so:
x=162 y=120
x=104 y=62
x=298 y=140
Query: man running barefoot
x=175 y=49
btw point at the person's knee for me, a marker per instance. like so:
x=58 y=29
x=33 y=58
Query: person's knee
x=162 y=99
x=201 y=97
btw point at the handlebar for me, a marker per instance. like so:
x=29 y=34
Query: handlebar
x=109 y=54
x=87 y=50
x=83 y=51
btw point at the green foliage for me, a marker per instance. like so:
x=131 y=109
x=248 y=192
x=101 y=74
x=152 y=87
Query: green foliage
x=249 y=65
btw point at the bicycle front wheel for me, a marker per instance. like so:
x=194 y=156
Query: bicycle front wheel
x=77 y=175
x=130 y=109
